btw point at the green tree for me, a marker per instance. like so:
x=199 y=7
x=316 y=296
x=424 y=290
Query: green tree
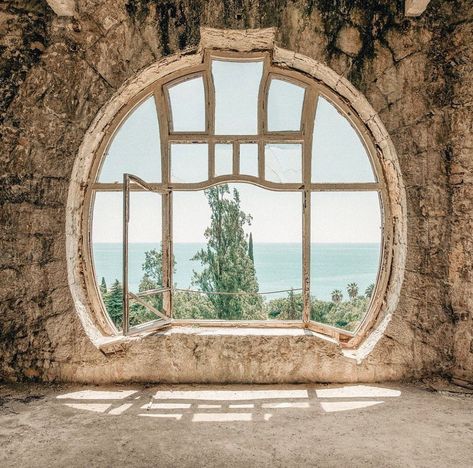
x=227 y=264
x=352 y=290
x=190 y=305
x=153 y=275
x=337 y=296
x=348 y=314
x=114 y=303
x=292 y=312
x=152 y=269
x=250 y=248
x=285 y=308
x=319 y=310
x=103 y=287
x=369 y=290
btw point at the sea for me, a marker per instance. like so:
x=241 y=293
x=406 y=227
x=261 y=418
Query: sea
x=278 y=266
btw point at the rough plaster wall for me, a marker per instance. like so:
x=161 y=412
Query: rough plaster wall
x=57 y=73
x=461 y=181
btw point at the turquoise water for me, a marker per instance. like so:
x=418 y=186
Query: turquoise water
x=278 y=266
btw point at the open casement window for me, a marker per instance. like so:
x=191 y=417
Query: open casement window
x=250 y=196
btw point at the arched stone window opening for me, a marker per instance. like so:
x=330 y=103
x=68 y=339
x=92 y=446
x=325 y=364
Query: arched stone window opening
x=286 y=140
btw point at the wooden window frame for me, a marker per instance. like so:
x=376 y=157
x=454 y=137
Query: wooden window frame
x=313 y=89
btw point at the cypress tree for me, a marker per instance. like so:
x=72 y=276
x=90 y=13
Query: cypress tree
x=114 y=303
x=103 y=287
x=250 y=248
x=227 y=264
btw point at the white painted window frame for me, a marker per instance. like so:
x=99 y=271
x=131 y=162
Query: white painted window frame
x=304 y=136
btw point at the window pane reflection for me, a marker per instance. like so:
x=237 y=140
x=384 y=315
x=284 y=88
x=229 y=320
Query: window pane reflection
x=285 y=101
x=135 y=148
x=188 y=105
x=249 y=159
x=223 y=159
x=338 y=155
x=236 y=96
x=189 y=163
x=345 y=254
x=283 y=163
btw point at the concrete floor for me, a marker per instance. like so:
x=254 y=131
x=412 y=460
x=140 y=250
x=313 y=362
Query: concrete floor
x=191 y=426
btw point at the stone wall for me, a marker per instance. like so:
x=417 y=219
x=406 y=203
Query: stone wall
x=55 y=75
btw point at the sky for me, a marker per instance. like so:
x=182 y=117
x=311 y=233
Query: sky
x=335 y=217
x=338 y=156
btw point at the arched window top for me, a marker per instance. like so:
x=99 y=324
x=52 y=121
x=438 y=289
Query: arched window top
x=238 y=118
x=135 y=147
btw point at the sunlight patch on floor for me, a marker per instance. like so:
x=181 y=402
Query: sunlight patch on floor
x=334 y=406
x=167 y=406
x=163 y=415
x=357 y=391
x=95 y=407
x=221 y=417
x=121 y=409
x=229 y=405
x=298 y=404
x=229 y=395
x=98 y=395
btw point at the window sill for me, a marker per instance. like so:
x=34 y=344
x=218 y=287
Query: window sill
x=119 y=343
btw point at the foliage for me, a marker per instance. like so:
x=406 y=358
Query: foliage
x=250 y=248
x=153 y=278
x=188 y=305
x=338 y=313
x=285 y=308
x=337 y=296
x=103 y=286
x=352 y=290
x=227 y=264
x=369 y=290
x=113 y=300
x=140 y=314
x=346 y=315
x=319 y=310
x=153 y=269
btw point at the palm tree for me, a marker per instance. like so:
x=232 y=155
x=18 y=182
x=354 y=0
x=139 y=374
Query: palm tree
x=352 y=290
x=369 y=290
x=337 y=296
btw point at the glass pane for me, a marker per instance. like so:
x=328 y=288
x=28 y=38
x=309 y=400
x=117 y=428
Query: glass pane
x=285 y=101
x=107 y=251
x=191 y=215
x=345 y=254
x=283 y=163
x=189 y=163
x=338 y=154
x=144 y=253
x=144 y=248
x=236 y=96
x=249 y=159
x=188 y=105
x=223 y=160
x=231 y=242
x=135 y=148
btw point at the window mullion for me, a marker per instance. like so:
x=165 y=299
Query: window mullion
x=306 y=201
x=163 y=110
x=262 y=116
x=308 y=117
x=167 y=252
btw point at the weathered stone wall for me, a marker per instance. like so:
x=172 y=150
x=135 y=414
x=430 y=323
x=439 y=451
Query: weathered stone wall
x=55 y=75
x=459 y=66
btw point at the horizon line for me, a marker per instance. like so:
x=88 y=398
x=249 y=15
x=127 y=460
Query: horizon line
x=254 y=243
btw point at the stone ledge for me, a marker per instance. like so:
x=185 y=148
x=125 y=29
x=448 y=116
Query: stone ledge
x=119 y=344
